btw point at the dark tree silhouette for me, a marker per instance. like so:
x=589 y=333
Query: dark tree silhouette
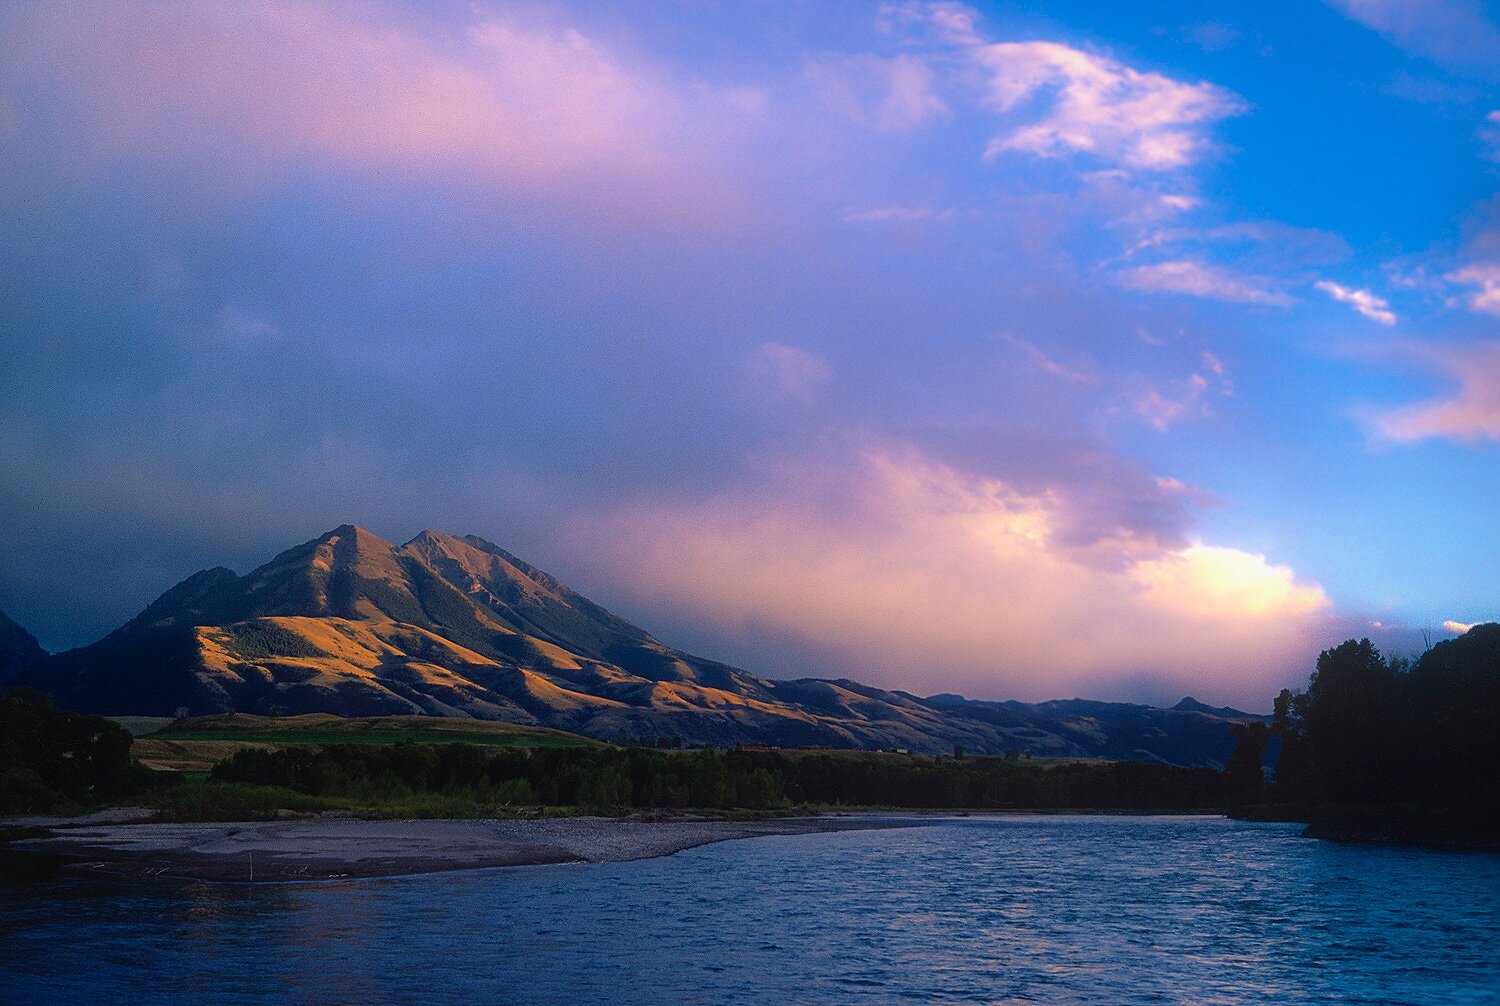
x=1243 y=774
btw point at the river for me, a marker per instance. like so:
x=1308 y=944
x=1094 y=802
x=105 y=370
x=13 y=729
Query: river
x=1048 y=909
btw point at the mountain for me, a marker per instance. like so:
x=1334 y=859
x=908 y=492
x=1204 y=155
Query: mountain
x=351 y=624
x=18 y=648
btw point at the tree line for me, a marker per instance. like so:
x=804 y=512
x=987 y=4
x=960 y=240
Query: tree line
x=51 y=759
x=1375 y=731
x=719 y=779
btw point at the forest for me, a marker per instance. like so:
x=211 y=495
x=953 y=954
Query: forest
x=1387 y=747
x=719 y=779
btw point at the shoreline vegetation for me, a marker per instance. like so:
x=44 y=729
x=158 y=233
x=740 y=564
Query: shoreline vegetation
x=1385 y=750
x=1375 y=750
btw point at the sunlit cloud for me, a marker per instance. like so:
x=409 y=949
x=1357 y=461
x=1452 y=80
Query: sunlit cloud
x=1470 y=412
x=904 y=571
x=1458 y=628
x=1369 y=305
x=526 y=269
x=1202 y=279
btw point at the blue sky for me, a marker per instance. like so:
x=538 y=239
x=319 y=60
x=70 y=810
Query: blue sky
x=1116 y=351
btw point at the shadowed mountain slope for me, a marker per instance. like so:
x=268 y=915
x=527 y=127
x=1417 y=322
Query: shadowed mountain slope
x=351 y=624
x=18 y=648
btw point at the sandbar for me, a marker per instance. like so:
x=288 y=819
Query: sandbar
x=344 y=848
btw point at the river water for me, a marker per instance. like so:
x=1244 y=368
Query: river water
x=1007 y=909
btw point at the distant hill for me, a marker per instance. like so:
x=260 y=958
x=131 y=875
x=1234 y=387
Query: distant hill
x=18 y=648
x=353 y=625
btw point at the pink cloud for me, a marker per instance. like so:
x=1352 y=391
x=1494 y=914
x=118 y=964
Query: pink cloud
x=1163 y=409
x=907 y=572
x=1470 y=412
x=1485 y=276
x=254 y=90
x=1201 y=279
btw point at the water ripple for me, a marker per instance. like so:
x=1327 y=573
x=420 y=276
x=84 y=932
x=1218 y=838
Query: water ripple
x=1125 y=910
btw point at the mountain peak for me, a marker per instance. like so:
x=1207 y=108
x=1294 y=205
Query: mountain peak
x=431 y=537
x=356 y=534
x=1190 y=704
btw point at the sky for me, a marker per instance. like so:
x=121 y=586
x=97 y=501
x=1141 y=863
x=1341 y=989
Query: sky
x=1108 y=351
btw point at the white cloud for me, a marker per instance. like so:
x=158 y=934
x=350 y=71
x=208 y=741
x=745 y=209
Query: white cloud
x=1458 y=628
x=1059 y=101
x=1181 y=203
x=1366 y=303
x=1085 y=103
x=1200 y=279
x=1485 y=276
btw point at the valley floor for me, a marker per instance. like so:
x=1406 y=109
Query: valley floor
x=329 y=849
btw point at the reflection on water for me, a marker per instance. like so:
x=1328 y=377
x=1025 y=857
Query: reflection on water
x=1014 y=909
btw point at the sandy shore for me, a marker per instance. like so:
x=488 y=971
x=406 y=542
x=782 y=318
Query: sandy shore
x=326 y=849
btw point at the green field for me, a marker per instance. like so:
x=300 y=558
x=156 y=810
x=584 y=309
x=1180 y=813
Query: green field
x=196 y=744
x=281 y=738
x=319 y=728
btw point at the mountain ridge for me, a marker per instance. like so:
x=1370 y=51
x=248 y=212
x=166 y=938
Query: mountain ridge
x=352 y=624
x=19 y=649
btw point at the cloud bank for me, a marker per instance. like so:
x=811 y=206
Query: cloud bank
x=898 y=569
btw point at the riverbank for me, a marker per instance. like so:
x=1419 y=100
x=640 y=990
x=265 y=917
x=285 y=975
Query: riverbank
x=1468 y=829
x=330 y=849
